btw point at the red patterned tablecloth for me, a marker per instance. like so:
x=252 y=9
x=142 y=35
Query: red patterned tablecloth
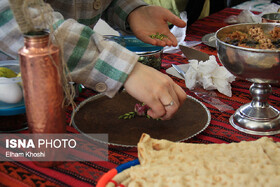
x=88 y=173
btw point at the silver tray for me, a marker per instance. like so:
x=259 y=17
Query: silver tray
x=209 y=39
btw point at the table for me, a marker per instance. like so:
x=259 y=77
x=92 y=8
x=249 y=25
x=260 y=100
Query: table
x=219 y=130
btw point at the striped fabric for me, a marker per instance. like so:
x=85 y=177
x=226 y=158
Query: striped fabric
x=10 y=37
x=90 y=59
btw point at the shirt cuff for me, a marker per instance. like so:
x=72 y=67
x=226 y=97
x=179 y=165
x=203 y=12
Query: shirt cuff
x=111 y=69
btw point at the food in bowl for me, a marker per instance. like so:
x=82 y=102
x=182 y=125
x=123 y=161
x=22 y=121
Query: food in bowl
x=11 y=91
x=10 y=86
x=253 y=64
x=6 y=72
x=255 y=37
x=152 y=59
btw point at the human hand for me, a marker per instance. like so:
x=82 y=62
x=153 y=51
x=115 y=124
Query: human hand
x=155 y=89
x=149 y=20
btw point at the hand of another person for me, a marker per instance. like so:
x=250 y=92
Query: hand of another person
x=148 y=20
x=155 y=89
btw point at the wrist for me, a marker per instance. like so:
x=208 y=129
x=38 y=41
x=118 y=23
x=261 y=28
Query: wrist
x=133 y=12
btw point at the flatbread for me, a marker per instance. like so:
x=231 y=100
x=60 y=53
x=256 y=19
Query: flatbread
x=165 y=163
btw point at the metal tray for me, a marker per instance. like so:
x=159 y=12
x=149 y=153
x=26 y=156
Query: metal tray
x=100 y=114
x=209 y=39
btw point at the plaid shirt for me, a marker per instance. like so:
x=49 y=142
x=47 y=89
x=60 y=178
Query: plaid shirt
x=90 y=58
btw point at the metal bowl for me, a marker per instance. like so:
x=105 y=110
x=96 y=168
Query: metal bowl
x=149 y=55
x=255 y=65
x=260 y=66
x=271 y=18
x=151 y=58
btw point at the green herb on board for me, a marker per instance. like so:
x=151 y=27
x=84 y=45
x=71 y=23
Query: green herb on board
x=139 y=110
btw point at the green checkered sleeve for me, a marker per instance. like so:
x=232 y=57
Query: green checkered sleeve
x=90 y=59
x=93 y=60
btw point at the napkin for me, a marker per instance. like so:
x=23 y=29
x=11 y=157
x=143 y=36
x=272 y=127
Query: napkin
x=247 y=16
x=180 y=34
x=208 y=74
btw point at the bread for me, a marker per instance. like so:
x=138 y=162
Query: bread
x=165 y=163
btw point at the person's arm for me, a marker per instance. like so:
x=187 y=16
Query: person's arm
x=97 y=64
x=143 y=20
x=150 y=20
x=10 y=37
x=106 y=66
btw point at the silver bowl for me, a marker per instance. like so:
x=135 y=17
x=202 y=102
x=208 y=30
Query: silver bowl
x=271 y=18
x=259 y=66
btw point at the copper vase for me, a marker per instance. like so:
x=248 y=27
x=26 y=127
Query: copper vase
x=41 y=72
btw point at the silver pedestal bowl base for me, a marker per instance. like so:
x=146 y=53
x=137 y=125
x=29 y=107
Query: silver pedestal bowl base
x=257 y=117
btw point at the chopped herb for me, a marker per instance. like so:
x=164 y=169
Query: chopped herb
x=158 y=36
x=128 y=115
x=139 y=110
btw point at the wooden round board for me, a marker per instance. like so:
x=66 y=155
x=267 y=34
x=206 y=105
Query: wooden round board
x=100 y=114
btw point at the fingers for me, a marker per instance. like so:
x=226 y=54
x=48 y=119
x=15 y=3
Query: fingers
x=168 y=41
x=155 y=89
x=157 y=110
x=178 y=97
x=150 y=20
x=166 y=38
x=154 y=41
x=166 y=107
x=171 y=105
x=168 y=102
x=147 y=39
x=172 y=39
x=175 y=20
x=180 y=93
x=164 y=111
